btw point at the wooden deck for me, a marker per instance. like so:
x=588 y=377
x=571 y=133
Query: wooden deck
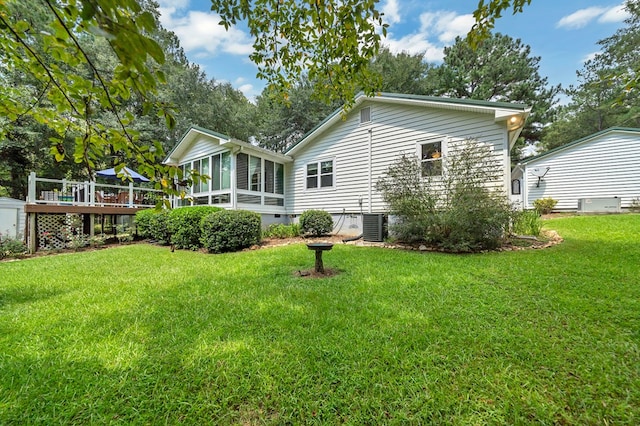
x=51 y=208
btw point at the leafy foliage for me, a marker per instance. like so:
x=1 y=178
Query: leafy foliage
x=11 y=247
x=403 y=72
x=280 y=125
x=332 y=42
x=154 y=224
x=527 y=222
x=544 y=205
x=230 y=230
x=486 y=14
x=184 y=225
x=316 y=222
x=462 y=210
x=280 y=230
x=51 y=50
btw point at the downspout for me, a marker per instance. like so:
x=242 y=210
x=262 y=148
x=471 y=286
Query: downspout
x=234 y=177
x=370 y=183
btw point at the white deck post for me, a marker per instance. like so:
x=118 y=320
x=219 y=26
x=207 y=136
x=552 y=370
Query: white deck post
x=31 y=195
x=130 y=194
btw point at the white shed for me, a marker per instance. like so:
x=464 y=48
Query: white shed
x=598 y=172
x=12 y=217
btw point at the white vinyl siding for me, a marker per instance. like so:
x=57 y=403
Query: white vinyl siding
x=396 y=129
x=602 y=167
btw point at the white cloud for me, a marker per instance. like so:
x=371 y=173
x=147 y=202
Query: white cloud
x=414 y=44
x=247 y=89
x=391 y=12
x=446 y=26
x=201 y=34
x=589 y=57
x=614 y=14
x=581 y=18
x=437 y=30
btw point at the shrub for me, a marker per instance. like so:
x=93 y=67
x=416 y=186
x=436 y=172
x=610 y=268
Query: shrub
x=154 y=224
x=230 y=230
x=184 y=225
x=11 y=247
x=527 y=222
x=279 y=230
x=316 y=222
x=635 y=205
x=143 y=221
x=463 y=209
x=544 y=205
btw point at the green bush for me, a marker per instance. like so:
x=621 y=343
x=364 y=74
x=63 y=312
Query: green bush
x=11 y=247
x=184 y=225
x=154 y=224
x=143 y=221
x=279 y=230
x=527 y=222
x=316 y=222
x=463 y=209
x=230 y=230
x=545 y=205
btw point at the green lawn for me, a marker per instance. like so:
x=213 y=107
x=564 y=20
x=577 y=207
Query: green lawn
x=137 y=334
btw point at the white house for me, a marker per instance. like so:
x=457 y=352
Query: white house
x=336 y=165
x=600 y=172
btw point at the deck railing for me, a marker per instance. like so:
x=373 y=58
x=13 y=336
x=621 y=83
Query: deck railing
x=68 y=192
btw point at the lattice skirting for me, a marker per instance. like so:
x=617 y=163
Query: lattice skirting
x=55 y=230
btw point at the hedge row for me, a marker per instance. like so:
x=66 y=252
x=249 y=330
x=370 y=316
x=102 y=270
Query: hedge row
x=192 y=228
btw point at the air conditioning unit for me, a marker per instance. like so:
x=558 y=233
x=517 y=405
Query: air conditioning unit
x=374 y=227
x=599 y=205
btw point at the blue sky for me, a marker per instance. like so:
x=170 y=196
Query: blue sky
x=564 y=33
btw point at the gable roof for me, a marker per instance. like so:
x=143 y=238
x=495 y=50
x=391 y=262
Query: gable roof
x=194 y=132
x=501 y=111
x=580 y=141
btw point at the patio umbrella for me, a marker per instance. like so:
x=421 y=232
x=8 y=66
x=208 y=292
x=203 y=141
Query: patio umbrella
x=111 y=174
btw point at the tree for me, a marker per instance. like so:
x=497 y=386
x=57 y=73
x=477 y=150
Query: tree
x=602 y=98
x=488 y=11
x=281 y=125
x=46 y=44
x=499 y=69
x=402 y=72
x=332 y=42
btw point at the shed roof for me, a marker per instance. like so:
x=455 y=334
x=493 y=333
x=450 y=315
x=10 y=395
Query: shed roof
x=580 y=141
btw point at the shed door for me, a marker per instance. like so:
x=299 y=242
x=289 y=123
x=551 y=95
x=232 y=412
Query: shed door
x=9 y=221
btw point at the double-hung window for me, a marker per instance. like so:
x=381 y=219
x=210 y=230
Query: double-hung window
x=431 y=158
x=320 y=174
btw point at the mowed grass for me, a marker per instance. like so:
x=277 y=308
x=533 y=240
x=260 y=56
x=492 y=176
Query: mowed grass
x=140 y=335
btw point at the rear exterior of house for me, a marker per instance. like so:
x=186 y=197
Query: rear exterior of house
x=336 y=166
x=600 y=172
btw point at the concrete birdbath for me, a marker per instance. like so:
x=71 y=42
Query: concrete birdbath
x=319 y=248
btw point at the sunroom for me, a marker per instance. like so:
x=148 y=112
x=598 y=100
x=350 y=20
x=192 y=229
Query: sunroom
x=241 y=175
